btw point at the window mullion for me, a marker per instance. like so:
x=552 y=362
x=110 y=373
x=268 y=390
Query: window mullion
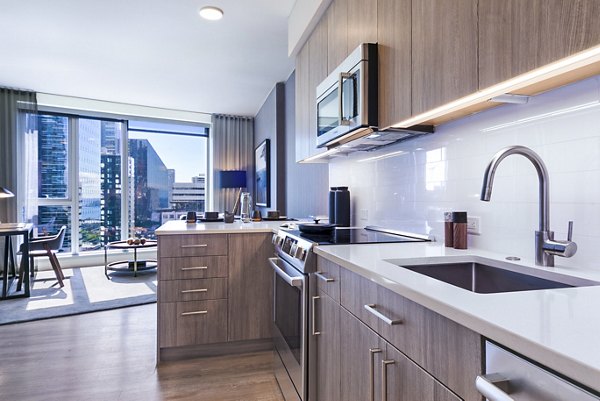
x=74 y=182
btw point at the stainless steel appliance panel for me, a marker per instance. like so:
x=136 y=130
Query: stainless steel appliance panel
x=510 y=377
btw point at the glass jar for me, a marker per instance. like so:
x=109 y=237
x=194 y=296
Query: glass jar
x=246 y=207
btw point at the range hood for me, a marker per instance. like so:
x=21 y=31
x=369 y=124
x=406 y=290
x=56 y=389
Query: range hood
x=370 y=138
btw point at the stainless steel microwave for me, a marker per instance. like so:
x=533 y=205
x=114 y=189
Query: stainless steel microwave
x=347 y=98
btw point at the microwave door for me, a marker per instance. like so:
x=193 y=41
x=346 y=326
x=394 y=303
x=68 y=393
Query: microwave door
x=327 y=113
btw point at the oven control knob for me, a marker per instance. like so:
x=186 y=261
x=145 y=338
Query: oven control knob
x=301 y=254
x=293 y=250
x=275 y=239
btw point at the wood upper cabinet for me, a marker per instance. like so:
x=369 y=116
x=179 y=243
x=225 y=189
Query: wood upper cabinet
x=518 y=36
x=250 y=288
x=444 y=51
x=302 y=104
x=311 y=69
x=328 y=348
x=362 y=23
x=337 y=33
x=394 y=37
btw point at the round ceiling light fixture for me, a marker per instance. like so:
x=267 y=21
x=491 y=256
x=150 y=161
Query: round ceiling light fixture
x=211 y=13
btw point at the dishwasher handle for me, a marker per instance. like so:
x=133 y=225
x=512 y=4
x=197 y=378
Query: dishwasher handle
x=491 y=387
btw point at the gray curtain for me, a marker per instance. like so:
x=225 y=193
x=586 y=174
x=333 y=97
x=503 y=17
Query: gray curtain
x=12 y=102
x=233 y=149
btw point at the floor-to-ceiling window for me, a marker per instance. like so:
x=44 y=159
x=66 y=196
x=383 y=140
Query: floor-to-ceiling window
x=76 y=174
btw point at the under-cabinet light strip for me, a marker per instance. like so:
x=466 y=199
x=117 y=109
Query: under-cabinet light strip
x=567 y=64
x=320 y=155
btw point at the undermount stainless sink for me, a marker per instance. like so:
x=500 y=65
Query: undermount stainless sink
x=485 y=279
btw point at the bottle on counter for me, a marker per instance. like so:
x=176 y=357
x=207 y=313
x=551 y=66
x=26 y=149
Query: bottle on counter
x=332 y=205
x=459 y=220
x=448 y=230
x=342 y=207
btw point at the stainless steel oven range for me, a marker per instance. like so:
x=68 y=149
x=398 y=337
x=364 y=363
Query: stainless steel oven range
x=294 y=289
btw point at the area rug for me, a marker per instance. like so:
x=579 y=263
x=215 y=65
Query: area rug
x=86 y=290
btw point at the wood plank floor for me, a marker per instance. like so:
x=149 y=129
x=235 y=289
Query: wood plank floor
x=111 y=356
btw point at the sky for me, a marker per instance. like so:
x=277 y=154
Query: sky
x=186 y=154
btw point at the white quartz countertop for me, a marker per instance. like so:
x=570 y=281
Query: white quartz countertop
x=559 y=328
x=181 y=227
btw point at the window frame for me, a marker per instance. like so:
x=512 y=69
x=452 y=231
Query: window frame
x=72 y=199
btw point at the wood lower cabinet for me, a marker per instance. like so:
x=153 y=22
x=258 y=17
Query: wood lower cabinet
x=434 y=357
x=250 y=287
x=518 y=36
x=362 y=351
x=405 y=380
x=213 y=289
x=328 y=347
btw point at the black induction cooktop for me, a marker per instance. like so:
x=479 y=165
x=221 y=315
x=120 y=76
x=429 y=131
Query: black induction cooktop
x=342 y=236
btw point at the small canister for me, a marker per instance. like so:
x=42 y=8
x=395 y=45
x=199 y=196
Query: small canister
x=448 y=230
x=459 y=220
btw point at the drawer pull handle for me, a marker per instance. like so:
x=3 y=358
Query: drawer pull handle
x=372 y=352
x=196 y=290
x=198 y=312
x=194 y=268
x=492 y=387
x=322 y=277
x=371 y=309
x=384 y=382
x=195 y=246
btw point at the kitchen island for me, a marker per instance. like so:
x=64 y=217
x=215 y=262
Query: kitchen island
x=215 y=288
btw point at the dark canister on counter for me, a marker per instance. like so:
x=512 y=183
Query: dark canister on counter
x=332 y=205
x=342 y=207
x=459 y=220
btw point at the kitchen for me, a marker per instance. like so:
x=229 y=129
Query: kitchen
x=373 y=327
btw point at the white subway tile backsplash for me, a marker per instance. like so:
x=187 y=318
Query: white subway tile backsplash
x=443 y=171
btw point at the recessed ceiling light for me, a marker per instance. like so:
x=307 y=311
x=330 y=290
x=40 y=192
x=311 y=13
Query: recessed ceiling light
x=211 y=13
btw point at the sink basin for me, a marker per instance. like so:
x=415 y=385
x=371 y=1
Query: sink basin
x=485 y=279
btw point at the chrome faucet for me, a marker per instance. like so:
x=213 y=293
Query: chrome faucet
x=545 y=244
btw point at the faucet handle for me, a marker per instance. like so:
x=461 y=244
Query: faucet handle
x=570 y=231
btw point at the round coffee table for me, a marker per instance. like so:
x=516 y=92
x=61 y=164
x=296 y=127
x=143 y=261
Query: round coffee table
x=134 y=265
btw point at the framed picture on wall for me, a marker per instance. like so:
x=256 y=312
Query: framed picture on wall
x=262 y=165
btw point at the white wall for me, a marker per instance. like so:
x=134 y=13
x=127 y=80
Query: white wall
x=443 y=172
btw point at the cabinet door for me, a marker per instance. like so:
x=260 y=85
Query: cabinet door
x=518 y=36
x=362 y=23
x=250 y=291
x=362 y=351
x=303 y=135
x=444 y=51
x=317 y=49
x=328 y=348
x=405 y=380
x=337 y=33
x=394 y=38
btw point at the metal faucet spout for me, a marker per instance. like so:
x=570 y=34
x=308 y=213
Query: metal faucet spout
x=540 y=167
x=546 y=246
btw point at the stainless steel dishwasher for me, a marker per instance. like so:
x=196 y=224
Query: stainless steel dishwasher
x=512 y=378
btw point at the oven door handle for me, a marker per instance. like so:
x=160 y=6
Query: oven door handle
x=293 y=281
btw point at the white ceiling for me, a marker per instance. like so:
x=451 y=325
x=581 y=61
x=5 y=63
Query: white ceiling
x=148 y=52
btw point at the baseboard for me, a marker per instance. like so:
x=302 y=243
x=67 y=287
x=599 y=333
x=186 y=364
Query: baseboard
x=219 y=349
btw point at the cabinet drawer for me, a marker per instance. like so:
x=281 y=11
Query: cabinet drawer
x=192 y=290
x=447 y=350
x=192 y=323
x=193 y=267
x=328 y=278
x=192 y=245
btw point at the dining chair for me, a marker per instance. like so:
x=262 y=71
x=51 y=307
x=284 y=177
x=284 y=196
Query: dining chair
x=45 y=246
